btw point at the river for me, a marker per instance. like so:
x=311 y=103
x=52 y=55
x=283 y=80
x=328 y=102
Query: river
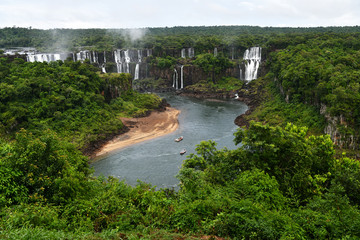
x=158 y=161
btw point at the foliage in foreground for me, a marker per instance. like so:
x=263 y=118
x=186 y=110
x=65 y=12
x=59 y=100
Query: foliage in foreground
x=278 y=184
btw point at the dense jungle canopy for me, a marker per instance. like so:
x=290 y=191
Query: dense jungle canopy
x=287 y=179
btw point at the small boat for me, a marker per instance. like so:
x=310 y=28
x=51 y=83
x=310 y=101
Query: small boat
x=182 y=152
x=179 y=139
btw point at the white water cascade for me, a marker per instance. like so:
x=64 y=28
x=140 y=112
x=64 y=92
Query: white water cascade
x=183 y=53
x=252 y=57
x=118 y=61
x=82 y=55
x=175 y=79
x=191 y=52
x=126 y=58
x=127 y=61
x=136 y=75
x=103 y=66
x=182 y=77
x=137 y=67
x=95 y=57
x=45 y=57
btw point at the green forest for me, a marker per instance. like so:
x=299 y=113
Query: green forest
x=295 y=173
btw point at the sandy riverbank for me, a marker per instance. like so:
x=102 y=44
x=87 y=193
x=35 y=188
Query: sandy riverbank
x=141 y=129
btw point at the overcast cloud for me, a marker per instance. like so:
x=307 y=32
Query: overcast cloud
x=47 y=14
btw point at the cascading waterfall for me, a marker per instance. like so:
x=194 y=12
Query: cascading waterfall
x=137 y=67
x=183 y=53
x=95 y=57
x=252 y=57
x=118 y=60
x=191 y=52
x=175 y=79
x=126 y=58
x=136 y=76
x=103 y=66
x=122 y=58
x=182 y=77
x=82 y=55
x=139 y=55
x=127 y=61
x=45 y=57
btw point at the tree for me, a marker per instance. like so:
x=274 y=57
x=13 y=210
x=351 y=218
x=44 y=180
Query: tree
x=296 y=161
x=213 y=65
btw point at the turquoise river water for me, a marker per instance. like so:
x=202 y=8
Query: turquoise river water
x=157 y=161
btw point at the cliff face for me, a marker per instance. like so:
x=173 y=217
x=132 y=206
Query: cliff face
x=339 y=130
x=191 y=74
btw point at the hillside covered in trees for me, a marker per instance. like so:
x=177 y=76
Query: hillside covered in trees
x=289 y=177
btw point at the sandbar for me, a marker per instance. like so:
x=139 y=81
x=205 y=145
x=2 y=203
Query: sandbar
x=157 y=124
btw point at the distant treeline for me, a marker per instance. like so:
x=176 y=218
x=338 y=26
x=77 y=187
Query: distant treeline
x=175 y=37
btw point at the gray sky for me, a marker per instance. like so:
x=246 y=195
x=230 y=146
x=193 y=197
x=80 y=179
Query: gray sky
x=46 y=14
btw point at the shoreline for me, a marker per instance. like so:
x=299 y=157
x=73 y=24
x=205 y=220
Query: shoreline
x=157 y=124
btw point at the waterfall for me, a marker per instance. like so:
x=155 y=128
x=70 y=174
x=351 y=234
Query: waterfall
x=45 y=57
x=139 y=56
x=118 y=61
x=183 y=53
x=252 y=59
x=148 y=52
x=123 y=58
x=82 y=55
x=191 y=52
x=95 y=57
x=175 y=79
x=127 y=61
x=182 y=77
x=215 y=52
x=137 y=67
x=136 y=71
x=104 y=64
